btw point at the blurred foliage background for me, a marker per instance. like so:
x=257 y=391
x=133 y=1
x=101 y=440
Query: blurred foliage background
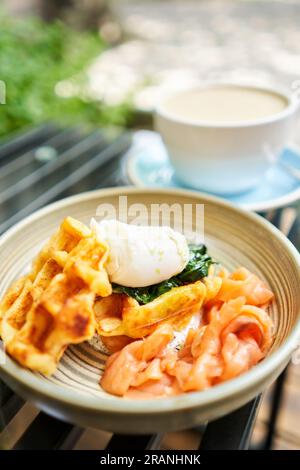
x=35 y=57
x=102 y=62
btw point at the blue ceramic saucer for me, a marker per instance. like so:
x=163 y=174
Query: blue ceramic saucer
x=147 y=164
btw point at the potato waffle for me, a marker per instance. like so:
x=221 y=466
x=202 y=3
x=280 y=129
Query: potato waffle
x=52 y=307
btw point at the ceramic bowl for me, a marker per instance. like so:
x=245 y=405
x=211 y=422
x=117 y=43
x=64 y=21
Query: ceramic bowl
x=225 y=157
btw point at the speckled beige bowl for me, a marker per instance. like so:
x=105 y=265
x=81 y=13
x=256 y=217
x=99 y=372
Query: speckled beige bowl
x=235 y=238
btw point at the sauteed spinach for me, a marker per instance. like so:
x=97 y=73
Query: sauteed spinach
x=196 y=268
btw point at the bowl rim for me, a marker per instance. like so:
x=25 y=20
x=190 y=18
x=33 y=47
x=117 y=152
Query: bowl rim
x=218 y=393
x=293 y=104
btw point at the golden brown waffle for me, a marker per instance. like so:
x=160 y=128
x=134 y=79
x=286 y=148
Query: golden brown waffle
x=52 y=306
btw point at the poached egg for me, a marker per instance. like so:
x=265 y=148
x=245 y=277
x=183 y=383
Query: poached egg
x=140 y=256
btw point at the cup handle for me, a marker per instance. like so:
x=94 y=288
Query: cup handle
x=290 y=159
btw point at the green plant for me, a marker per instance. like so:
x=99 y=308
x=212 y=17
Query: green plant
x=34 y=57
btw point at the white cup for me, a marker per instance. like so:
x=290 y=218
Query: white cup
x=221 y=157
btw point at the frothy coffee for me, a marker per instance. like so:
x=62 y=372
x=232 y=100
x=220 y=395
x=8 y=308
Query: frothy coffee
x=225 y=104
